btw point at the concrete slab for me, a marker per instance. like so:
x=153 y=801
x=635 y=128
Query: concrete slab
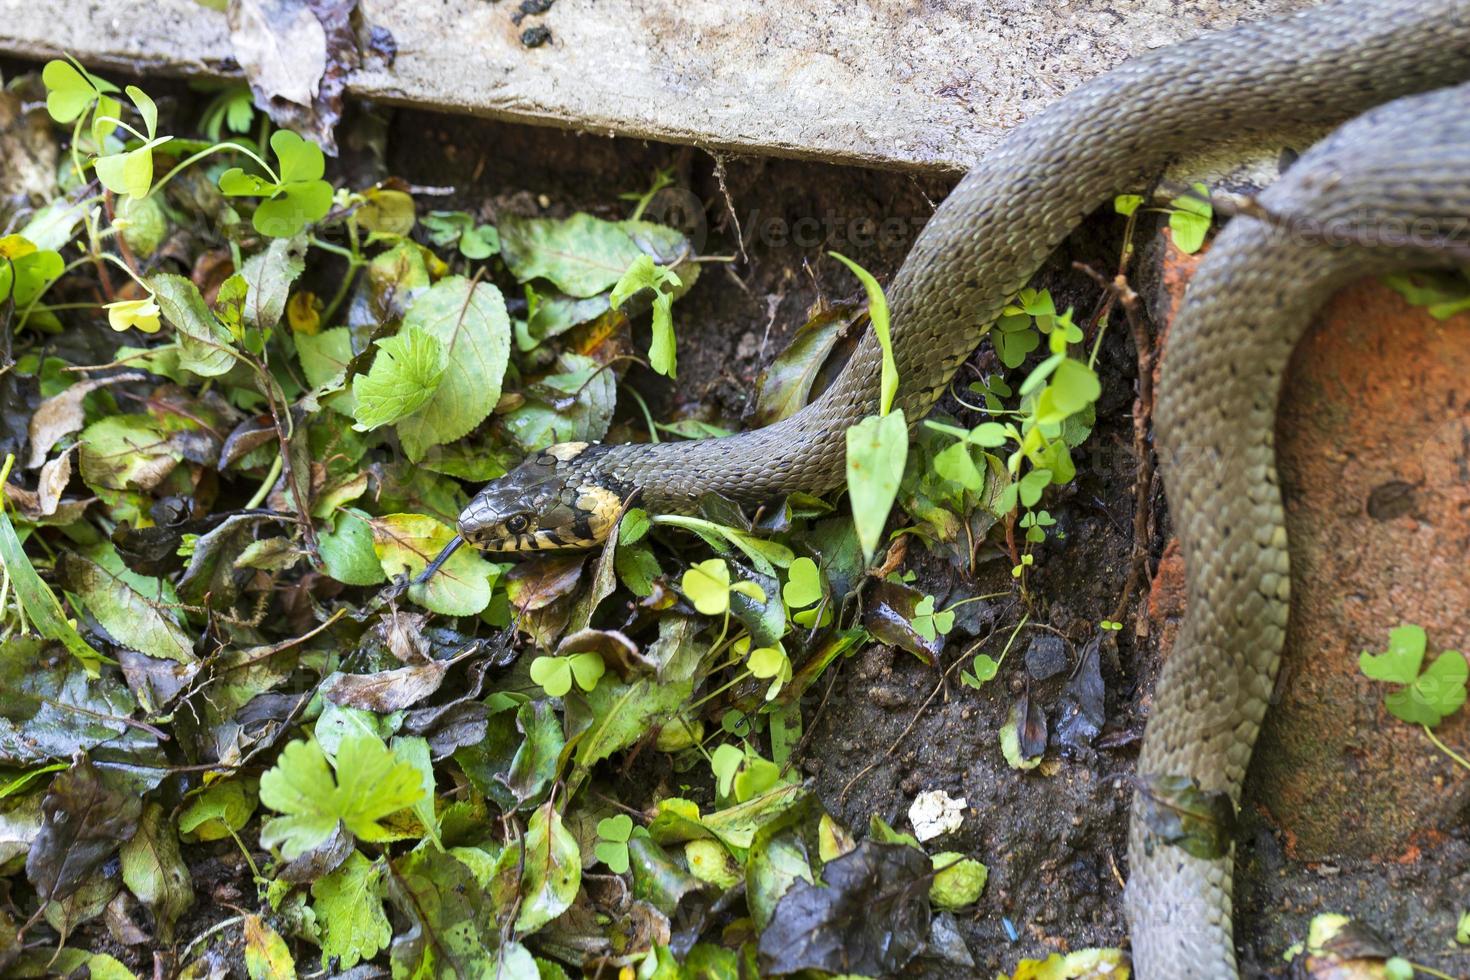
x=923 y=84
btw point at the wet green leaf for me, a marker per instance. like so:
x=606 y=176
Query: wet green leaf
x=877 y=448
x=154 y=870
x=543 y=870
x=581 y=255
x=349 y=907
x=371 y=783
x=403 y=378
x=405 y=543
x=469 y=320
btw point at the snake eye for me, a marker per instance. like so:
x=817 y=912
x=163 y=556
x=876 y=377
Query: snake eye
x=516 y=524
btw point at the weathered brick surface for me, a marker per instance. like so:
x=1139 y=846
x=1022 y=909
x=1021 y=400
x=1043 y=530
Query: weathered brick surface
x=1373 y=441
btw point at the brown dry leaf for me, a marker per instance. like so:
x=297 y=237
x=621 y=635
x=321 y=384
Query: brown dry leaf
x=85 y=817
x=61 y=414
x=538 y=582
x=387 y=690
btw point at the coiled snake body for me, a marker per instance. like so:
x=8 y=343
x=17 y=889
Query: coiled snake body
x=1227 y=352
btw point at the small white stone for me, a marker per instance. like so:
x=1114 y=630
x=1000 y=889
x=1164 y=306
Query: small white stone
x=934 y=813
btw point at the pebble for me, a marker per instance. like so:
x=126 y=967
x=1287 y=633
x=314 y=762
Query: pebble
x=1046 y=656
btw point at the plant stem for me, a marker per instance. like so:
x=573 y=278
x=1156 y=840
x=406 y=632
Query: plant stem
x=264 y=489
x=208 y=152
x=1459 y=760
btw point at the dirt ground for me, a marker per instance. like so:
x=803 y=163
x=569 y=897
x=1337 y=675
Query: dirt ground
x=883 y=726
x=1055 y=844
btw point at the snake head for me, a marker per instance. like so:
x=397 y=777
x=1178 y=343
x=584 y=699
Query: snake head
x=547 y=503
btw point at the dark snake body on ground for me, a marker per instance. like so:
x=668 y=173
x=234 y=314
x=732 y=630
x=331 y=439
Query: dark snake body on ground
x=1404 y=163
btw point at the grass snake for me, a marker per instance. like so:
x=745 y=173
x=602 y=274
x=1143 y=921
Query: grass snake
x=1405 y=165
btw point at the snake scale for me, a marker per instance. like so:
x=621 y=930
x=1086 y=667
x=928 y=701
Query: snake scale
x=1405 y=165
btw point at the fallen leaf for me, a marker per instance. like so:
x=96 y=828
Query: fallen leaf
x=86 y=816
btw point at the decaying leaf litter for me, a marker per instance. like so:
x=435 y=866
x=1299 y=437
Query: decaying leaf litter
x=440 y=776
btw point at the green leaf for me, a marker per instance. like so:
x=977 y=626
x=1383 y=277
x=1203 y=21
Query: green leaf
x=877 y=448
x=469 y=319
x=662 y=349
x=39 y=602
x=404 y=377
x=958 y=880
x=1399 y=664
x=1189 y=221
x=268 y=277
x=146 y=108
x=544 y=870
x=621 y=714
x=267 y=957
x=587 y=669
x=447 y=912
x=205 y=345
x=69 y=93
x=878 y=314
x=616 y=828
x=803 y=584
x=707 y=584
x=1074 y=386
x=129 y=173
x=122 y=602
x=25 y=270
x=300 y=159
x=371 y=784
x=1437 y=692
x=955 y=463
x=581 y=255
x=406 y=543
x=154 y=870
x=614 y=854
x=1126 y=204
x=725 y=762
x=414 y=750
x=298 y=198
x=347 y=550
x=554 y=674
x=349 y=908
x=225 y=806
x=634 y=526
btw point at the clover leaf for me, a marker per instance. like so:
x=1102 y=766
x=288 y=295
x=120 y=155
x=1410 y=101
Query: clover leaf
x=984 y=668
x=556 y=674
x=1189 y=219
x=131 y=173
x=25 y=270
x=928 y=623
x=1427 y=697
x=71 y=90
x=295 y=198
x=803 y=584
x=707 y=584
x=612 y=842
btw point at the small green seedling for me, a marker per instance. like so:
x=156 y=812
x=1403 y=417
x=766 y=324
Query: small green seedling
x=611 y=848
x=295 y=194
x=928 y=623
x=982 y=669
x=1427 y=697
x=556 y=674
x=644 y=273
